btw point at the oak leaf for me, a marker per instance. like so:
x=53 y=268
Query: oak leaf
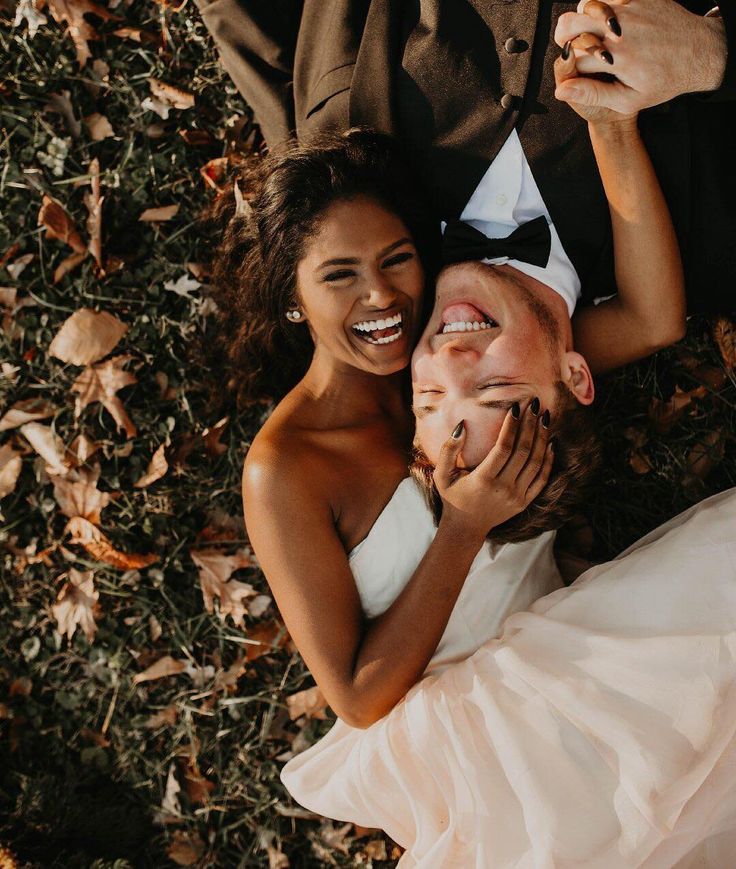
x=71 y=13
x=100 y=383
x=98 y=545
x=87 y=336
x=76 y=606
x=157 y=467
x=48 y=445
x=215 y=569
x=76 y=498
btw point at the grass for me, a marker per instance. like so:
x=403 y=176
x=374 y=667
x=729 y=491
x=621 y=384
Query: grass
x=84 y=774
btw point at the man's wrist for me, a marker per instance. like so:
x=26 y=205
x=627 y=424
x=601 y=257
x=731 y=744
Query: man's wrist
x=712 y=55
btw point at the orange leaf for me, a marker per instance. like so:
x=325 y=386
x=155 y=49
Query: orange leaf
x=100 y=383
x=87 y=336
x=157 y=467
x=71 y=13
x=59 y=225
x=724 y=333
x=26 y=410
x=166 y=666
x=171 y=94
x=95 y=542
x=269 y=637
x=215 y=569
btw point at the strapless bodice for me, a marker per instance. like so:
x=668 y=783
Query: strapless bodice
x=503 y=579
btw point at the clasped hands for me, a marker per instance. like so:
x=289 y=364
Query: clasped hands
x=656 y=49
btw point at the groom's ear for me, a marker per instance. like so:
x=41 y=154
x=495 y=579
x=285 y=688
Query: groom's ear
x=577 y=377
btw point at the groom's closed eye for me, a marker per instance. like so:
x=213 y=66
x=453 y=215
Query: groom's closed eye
x=420 y=411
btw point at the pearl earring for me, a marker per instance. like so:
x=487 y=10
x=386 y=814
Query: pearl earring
x=294 y=316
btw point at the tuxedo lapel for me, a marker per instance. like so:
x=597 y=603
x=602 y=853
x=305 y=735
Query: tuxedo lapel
x=371 y=94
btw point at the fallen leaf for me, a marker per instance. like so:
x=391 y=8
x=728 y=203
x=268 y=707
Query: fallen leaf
x=258 y=606
x=310 y=702
x=26 y=410
x=724 y=334
x=93 y=203
x=166 y=666
x=334 y=837
x=664 y=414
x=265 y=638
x=211 y=438
x=639 y=462
x=98 y=127
x=100 y=383
x=98 y=545
x=28 y=11
x=186 y=848
x=214 y=172
x=154 y=627
x=183 y=286
x=137 y=34
x=59 y=225
x=158 y=215
x=215 y=570
x=77 y=498
x=197 y=138
x=87 y=336
x=67 y=265
x=20 y=687
x=15 y=269
x=71 y=13
x=48 y=445
x=375 y=850
x=170 y=803
x=81 y=450
x=166 y=717
x=76 y=606
x=168 y=93
x=197 y=787
x=60 y=104
x=157 y=467
x=10 y=468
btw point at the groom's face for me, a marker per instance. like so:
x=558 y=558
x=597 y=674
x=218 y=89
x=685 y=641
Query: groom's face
x=475 y=373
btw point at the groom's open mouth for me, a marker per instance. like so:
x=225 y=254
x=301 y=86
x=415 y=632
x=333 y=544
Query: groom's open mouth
x=464 y=317
x=382 y=331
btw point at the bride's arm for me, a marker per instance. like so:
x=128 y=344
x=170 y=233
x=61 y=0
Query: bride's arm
x=649 y=311
x=365 y=667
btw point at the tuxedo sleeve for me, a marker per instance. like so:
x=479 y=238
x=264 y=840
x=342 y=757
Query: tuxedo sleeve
x=256 y=40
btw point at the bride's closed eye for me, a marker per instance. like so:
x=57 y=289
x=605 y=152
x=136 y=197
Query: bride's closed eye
x=397 y=259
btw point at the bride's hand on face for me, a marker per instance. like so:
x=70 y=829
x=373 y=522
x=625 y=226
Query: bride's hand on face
x=510 y=477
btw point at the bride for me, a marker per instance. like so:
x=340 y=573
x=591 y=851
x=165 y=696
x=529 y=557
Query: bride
x=599 y=728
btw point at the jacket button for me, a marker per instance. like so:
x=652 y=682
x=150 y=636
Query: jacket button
x=515 y=46
x=508 y=101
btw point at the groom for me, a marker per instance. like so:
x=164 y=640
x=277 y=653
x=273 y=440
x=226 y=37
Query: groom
x=454 y=78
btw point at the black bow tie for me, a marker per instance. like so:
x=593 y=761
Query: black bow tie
x=530 y=243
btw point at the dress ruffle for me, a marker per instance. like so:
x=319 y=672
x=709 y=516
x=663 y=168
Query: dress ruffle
x=598 y=731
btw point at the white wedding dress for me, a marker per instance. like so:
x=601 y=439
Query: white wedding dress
x=592 y=727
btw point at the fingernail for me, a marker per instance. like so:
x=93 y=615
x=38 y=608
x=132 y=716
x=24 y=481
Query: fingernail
x=607 y=56
x=458 y=430
x=534 y=406
x=614 y=26
x=566 y=49
x=515 y=410
x=545 y=419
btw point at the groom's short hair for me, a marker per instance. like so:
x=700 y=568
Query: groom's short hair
x=577 y=456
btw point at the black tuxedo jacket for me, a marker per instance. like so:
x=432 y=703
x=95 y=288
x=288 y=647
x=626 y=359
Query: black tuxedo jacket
x=451 y=78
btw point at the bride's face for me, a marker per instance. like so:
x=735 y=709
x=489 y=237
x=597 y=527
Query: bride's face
x=360 y=284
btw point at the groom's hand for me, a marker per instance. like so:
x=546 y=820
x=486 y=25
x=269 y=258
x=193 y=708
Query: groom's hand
x=659 y=51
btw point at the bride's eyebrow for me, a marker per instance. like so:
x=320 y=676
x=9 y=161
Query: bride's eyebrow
x=353 y=261
x=504 y=404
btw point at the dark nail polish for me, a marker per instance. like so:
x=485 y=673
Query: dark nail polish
x=566 y=49
x=545 y=419
x=607 y=56
x=534 y=406
x=515 y=410
x=614 y=26
x=458 y=430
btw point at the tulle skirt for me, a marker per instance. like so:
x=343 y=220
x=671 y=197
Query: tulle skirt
x=598 y=731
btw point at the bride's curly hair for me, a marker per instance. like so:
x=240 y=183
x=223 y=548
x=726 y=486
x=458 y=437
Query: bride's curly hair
x=259 y=228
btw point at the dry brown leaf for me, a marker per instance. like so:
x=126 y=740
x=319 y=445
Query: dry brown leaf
x=174 y=96
x=76 y=606
x=639 y=462
x=664 y=414
x=67 y=265
x=362 y=832
x=158 y=215
x=98 y=127
x=214 y=172
x=80 y=499
x=81 y=450
x=197 y=138
x=98 y=545
x=166 y=717
x=185 y=848
x=71 y=13
x=87 y=336
x=375 y=850
x=215 y=570
x=310 y=702
x=100 y=383
x=706 y=454
x=137 y=34
x=61 y=104
x=48 y=445
x=10 y=468
x=59 y=225
x=26 y=410
x=166 y=666
x=211 y=438
x=157 y=467
x=197 y=787
x=268 y=637
x=20 y=687
x=93 y=202
x=724 y=334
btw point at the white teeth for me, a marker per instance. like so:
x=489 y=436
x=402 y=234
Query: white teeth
x=464 y=327
x=372 y=325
